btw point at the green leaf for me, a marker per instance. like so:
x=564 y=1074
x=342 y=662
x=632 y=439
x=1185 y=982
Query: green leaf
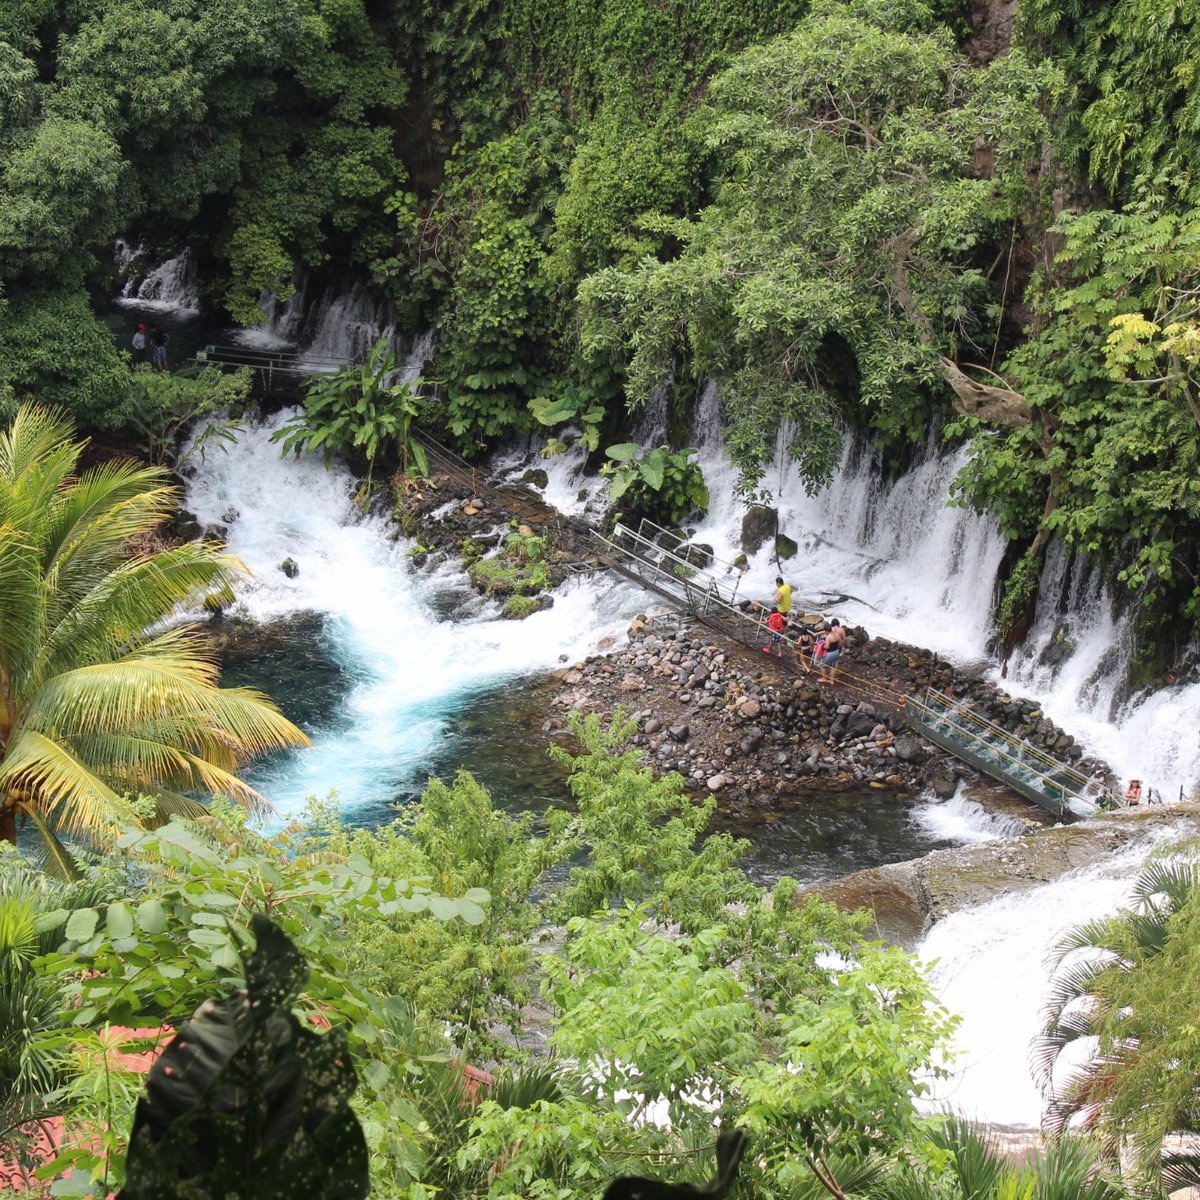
x=623 y=452
x=151 y=916
x=82 y=924
x=119 y=921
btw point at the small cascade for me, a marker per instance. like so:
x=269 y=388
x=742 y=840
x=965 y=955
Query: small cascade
x=170 y=286
x=649 y=427
x=344 y=325
x=419 y=356
x=960 y=821
x=1076 y=659
x=283 y=323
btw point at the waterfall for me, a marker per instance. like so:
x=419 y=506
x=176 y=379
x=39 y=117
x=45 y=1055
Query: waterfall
x=283 y=323
x=896 y=557
x=989 y=966
x=411 y=673
x=1076 y=659
x=893 y=556
x=963 y=822
x=170 y=286
x=345 y=325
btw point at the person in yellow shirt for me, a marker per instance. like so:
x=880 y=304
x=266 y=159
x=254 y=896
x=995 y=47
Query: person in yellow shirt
x=783 y=595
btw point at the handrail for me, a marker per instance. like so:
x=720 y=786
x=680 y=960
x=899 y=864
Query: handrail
x=935 y=698
x=1062 y=786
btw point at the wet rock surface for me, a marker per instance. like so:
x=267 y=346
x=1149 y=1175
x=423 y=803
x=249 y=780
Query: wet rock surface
x=908 y=897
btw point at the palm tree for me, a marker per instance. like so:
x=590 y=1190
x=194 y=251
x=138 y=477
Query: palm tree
x=1121 y=994
x=101 y=694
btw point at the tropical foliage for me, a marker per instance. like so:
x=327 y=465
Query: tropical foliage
x=103 y=696
x=359 y=411
x=1116 y=1053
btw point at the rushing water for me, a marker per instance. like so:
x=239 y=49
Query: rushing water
x=399 y=674
x=411 y=675
x=898 y=558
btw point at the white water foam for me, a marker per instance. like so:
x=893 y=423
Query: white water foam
x=964 y=822
x=892 y=556
x=1075 y=660
x=412 y=669
x=282 y=325
x=168 y=287
x=990 y=967
x=896 y=557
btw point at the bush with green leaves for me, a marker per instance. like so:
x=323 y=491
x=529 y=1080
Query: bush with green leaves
x=663 y=484
x=359 y=412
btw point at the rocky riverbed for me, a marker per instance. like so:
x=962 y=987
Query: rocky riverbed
x=735 y=722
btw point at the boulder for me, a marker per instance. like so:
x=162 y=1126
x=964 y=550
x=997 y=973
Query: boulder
x=758 y=524
x=289 y=568
x=716 y=782
x=536 y=477
x=784 y=546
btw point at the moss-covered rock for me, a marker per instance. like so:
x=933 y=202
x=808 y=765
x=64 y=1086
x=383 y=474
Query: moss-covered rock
x=759 y=524
x=784 y=546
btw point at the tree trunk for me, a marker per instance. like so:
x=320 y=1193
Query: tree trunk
x=8 y=824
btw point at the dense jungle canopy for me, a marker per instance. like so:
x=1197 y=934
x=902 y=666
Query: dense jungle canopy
x=884 y=216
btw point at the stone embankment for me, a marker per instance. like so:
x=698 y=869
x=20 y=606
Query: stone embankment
x=908 y=897
x=731 y=721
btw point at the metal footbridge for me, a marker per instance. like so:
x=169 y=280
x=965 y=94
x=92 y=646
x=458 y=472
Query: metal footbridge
x=691 y=580
x=710 y=594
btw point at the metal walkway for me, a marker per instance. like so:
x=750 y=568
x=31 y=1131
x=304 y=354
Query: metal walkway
x=655 y=559
x=1036 y=775
x=279 y=373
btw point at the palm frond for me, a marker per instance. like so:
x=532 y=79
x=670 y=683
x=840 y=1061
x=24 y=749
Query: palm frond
x=49 y=780
x=1103 y=934
x=1180 y=1170
x=37 y=454
x=1173 y=878
x=91 y=525
x=51 y=855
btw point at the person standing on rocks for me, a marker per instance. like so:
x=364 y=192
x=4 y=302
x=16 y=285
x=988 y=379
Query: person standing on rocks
x=776 y=624
x=783 y=596
x=835 y=642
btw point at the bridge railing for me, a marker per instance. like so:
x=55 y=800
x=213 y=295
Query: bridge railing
x=653 y=554
x=283 y=366
x=1037 y=775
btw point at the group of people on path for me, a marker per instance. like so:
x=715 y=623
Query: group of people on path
x=153 y=340
x=820 y=647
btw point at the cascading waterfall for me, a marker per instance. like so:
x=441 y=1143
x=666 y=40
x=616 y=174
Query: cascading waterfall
x=346 y=324
x=989 y=966
x=170 y=286
x=411 y=671
x=892 y=556
x=1075 y=661
x=963 y=822
x=283 y=323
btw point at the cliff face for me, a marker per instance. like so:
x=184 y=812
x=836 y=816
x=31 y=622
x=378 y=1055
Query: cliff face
x=908 y=897
x=991 y=29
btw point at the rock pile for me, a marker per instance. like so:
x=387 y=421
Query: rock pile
x=733 y=724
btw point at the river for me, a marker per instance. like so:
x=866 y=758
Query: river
x=399 y=674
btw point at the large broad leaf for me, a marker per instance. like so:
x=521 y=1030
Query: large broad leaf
x=623 y=452
x=653 y=468
x=246 y=1101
